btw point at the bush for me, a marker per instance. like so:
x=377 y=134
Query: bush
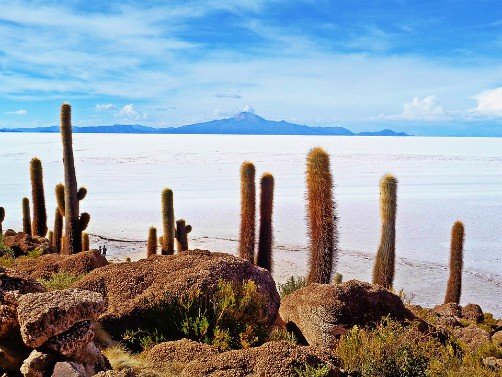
x=291 y=285
x=310 y=371
x=6 y=255
x=60 y=280
x=233 y=317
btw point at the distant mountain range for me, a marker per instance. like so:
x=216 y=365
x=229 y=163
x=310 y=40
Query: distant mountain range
x=244 y=123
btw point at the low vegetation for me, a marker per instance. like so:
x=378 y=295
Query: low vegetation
x=291 y=285
x=60 y=280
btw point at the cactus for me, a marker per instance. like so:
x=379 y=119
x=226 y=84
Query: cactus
x=151 y=245
x=182 y=231
x=2 y=218
x=26 y=216
x=59 y=191
x=167 y=222
x=322 y=221
x=75 y=224
x=337 y=278
x=58 y=230
x=383 y=271
x=248 y=212
x=265 y=238
x=454 y=288
x=39 y=221
x=85 y=242
x=50 y=236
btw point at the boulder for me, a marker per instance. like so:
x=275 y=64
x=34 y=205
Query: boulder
x=180 y=351
x=273 y=359
x=92 y=359
x=73 y=340
x=472 y=336
x=22 y=243
x=8 y=313
x=12 y=354
x=44 y=315
x=473 y=312
x=497 y=338
x=46 y=265
x=69 y=369
x=493 y=363
x=320 y=313
x=133 y=289
x=12 y=280
x=128 y=372
x=448 y=310
x=38 y=364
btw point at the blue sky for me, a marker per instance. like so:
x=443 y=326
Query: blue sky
x=423 y=67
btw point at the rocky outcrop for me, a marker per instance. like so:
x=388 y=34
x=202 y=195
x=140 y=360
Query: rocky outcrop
x=320 y=313
x=472 y=336
x=134 y=289
x=473 y=312
x=45 y=266
x=179 y=351
x=22 y=243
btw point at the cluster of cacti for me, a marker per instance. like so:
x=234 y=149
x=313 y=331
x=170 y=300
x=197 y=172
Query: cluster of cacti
x=2 y=218
x=454 y=287
x=182 y=230
x=265 y=237
x=167 y=239
x=75 y=223
x=85 y=242
x=383 y=271
x=322 y=225
x=39 y=220
x=248 y=212
x=26 y=216
x=60 y=213
x=151 y=245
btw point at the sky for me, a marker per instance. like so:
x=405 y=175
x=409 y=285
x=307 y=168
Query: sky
x=430 y=67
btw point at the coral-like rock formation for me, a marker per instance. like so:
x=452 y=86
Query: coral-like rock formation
x=22 y=243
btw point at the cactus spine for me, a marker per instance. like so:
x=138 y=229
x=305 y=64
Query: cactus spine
x=39 y=222
x=248 y=212
x=167 y=222
x=182 y=231
x=26 y=216
x=322 y=225
x=75 y=224
x=265 y=238
x=2 y=218
x=151 y=245
x=454 y=288
x=85 y=242
x=383 y=271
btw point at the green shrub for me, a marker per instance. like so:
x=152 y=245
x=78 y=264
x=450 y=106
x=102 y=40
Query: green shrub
x=6 y=255
x=291 y=285
x=233 y=317
x=278 y=335
x=60 y=280
x=311 y=371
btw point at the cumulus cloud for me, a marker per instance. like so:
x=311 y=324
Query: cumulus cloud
x=427 y=108
x=248 y=109
x=129 y=112
x=227 y=95
x=17 y=112
x=489 y=102
x=104 y=107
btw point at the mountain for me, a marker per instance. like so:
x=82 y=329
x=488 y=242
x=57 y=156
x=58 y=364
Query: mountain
x=244 y=123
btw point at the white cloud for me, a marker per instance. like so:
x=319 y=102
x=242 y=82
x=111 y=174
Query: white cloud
x=248 y=109
x=129 y=112
x=17 y=112
x=104 y=107
x=489 y=102
x=427 y=108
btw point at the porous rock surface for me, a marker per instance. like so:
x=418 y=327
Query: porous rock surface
x=472 y=336
x=131 y=288
x=320 y=313
x=44 y=315
x=22 y=243
x=179 y=351
x=72 y=340
x=46 y=265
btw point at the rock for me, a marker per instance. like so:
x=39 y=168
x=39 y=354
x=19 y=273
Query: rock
x=448 y=321
x=22 y=243
x=12 y=280
x=38 y=364
x=473 y=312
x=321 y=313
x=273 y=359
x=72 y=340
x=472 y=336
x=46 y=265
x=497 y=338
x=132 y=289
x=179 y=351
x=92 y=359
x=69 y=369
x=493 y=363
x=12 y=354
x=448 y=310
x=8 y=313
x=44 y=315
x=117 y=373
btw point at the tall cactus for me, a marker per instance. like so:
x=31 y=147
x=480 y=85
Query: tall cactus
x=383 y=271
x=2 y=218
x=85 y=242
x=151 y=245
x=454 y=288
x=265 y=238
x=39 y=221
x=167 y=240
x=322 y=221
x=26 y=216
x=248 y=212
x=75 y=223
x=50 y=236
x=182 y=231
